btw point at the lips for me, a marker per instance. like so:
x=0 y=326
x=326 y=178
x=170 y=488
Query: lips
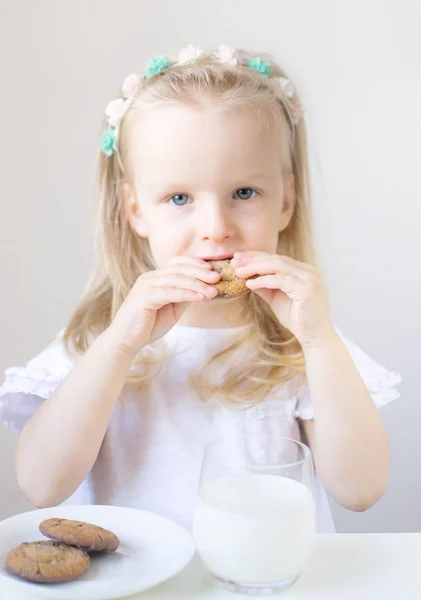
x=218 y=257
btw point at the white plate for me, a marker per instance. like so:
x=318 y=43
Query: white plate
x=152 y=549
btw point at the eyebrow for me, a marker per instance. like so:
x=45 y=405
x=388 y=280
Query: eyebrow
x=260 y=176
x=235 y=182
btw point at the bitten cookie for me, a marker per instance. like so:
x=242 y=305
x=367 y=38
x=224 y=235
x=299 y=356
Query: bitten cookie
x=229 y=285
x=47 y=562
x=79 y=534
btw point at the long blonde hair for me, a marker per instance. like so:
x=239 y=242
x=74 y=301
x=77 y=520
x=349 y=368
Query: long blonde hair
x=275 y=355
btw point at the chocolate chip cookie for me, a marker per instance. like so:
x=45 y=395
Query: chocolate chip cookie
x=229 y=285
x=47 y=562
x=79 y=534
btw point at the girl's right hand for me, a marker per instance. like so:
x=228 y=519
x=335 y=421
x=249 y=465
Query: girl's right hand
x=157 y=300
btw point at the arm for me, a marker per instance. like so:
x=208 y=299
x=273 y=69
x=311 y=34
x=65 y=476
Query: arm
x=59 y=444
x=347 y=437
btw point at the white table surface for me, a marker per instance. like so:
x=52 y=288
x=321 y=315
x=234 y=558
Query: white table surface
x=342 y=566
x=357 y=566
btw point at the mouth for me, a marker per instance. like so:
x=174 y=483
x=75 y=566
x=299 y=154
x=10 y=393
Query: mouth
x=218 y=257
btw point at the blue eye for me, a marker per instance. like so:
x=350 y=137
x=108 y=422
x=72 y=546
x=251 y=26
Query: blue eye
x=179 y=199
x=244 y=193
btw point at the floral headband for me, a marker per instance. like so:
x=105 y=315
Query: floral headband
x=117 y=108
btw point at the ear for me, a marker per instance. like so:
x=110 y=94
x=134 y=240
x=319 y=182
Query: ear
x=288 y=202
x=136 y=220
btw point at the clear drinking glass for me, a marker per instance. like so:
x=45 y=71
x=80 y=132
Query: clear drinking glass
x=255 y=520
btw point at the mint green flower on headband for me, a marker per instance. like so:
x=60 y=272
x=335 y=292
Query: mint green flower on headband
x=108 y=141
x=156 y=64
x=258 y=64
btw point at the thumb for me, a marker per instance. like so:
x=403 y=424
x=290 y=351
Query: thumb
x=266 y=295
x=179 y=309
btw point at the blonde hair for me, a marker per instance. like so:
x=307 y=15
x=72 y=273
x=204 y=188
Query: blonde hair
x=274 y=355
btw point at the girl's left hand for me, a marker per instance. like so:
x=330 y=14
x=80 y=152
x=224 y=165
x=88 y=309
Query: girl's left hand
x=294 y=291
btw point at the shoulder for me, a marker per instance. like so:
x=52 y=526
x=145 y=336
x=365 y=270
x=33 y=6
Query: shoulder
x=380 y=381
x=378 y=378
x=44 y=371
x=26 y=387
x=53 y=358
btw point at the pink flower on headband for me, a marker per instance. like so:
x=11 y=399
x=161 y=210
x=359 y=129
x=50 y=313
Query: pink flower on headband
x=287 y=87
x=115 y=111
x=227 y=55
x=189 y=54
x=130 y=85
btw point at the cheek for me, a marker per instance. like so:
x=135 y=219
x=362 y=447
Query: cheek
x=263 y=232
x=165 y=243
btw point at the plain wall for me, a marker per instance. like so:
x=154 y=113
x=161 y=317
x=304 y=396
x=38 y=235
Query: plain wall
x=358 y=67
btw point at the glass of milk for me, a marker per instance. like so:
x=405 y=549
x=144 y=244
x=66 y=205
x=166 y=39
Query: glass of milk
x=255 y=520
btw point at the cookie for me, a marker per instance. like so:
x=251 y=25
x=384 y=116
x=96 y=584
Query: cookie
x=47 y=562
x=79 y=534
x=229 y=285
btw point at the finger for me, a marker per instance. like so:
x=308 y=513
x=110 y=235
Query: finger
x=183 y=282
x=160 y=297
x=249 y=254
x=297 y=264
x=287 y=263
x=243 y=258
x=264 y=265
x=291 y=286
x=190 y=260
x=268 y=295
x=193 y=271
x=180 y=307
x=267 y=265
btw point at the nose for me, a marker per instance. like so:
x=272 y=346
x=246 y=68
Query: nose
x=216 y=222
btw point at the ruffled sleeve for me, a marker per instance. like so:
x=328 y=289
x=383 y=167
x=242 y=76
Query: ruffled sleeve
x=380 y=382
x=25 y=388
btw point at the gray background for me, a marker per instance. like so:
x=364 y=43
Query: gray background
x=358 y=67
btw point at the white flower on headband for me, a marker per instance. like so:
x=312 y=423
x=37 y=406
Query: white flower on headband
x=227 y=55
x=115 y=111
x=287 y=86
x=189 y=54
x=130 y=85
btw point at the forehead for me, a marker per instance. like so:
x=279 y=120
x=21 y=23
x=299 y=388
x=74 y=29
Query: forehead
x=181 y=141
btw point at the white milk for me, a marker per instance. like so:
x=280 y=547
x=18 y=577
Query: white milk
x=254 y=528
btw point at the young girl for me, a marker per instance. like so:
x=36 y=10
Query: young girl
x=203 y=158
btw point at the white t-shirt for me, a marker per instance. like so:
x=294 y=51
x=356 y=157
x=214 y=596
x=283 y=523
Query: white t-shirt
x=151 y=457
